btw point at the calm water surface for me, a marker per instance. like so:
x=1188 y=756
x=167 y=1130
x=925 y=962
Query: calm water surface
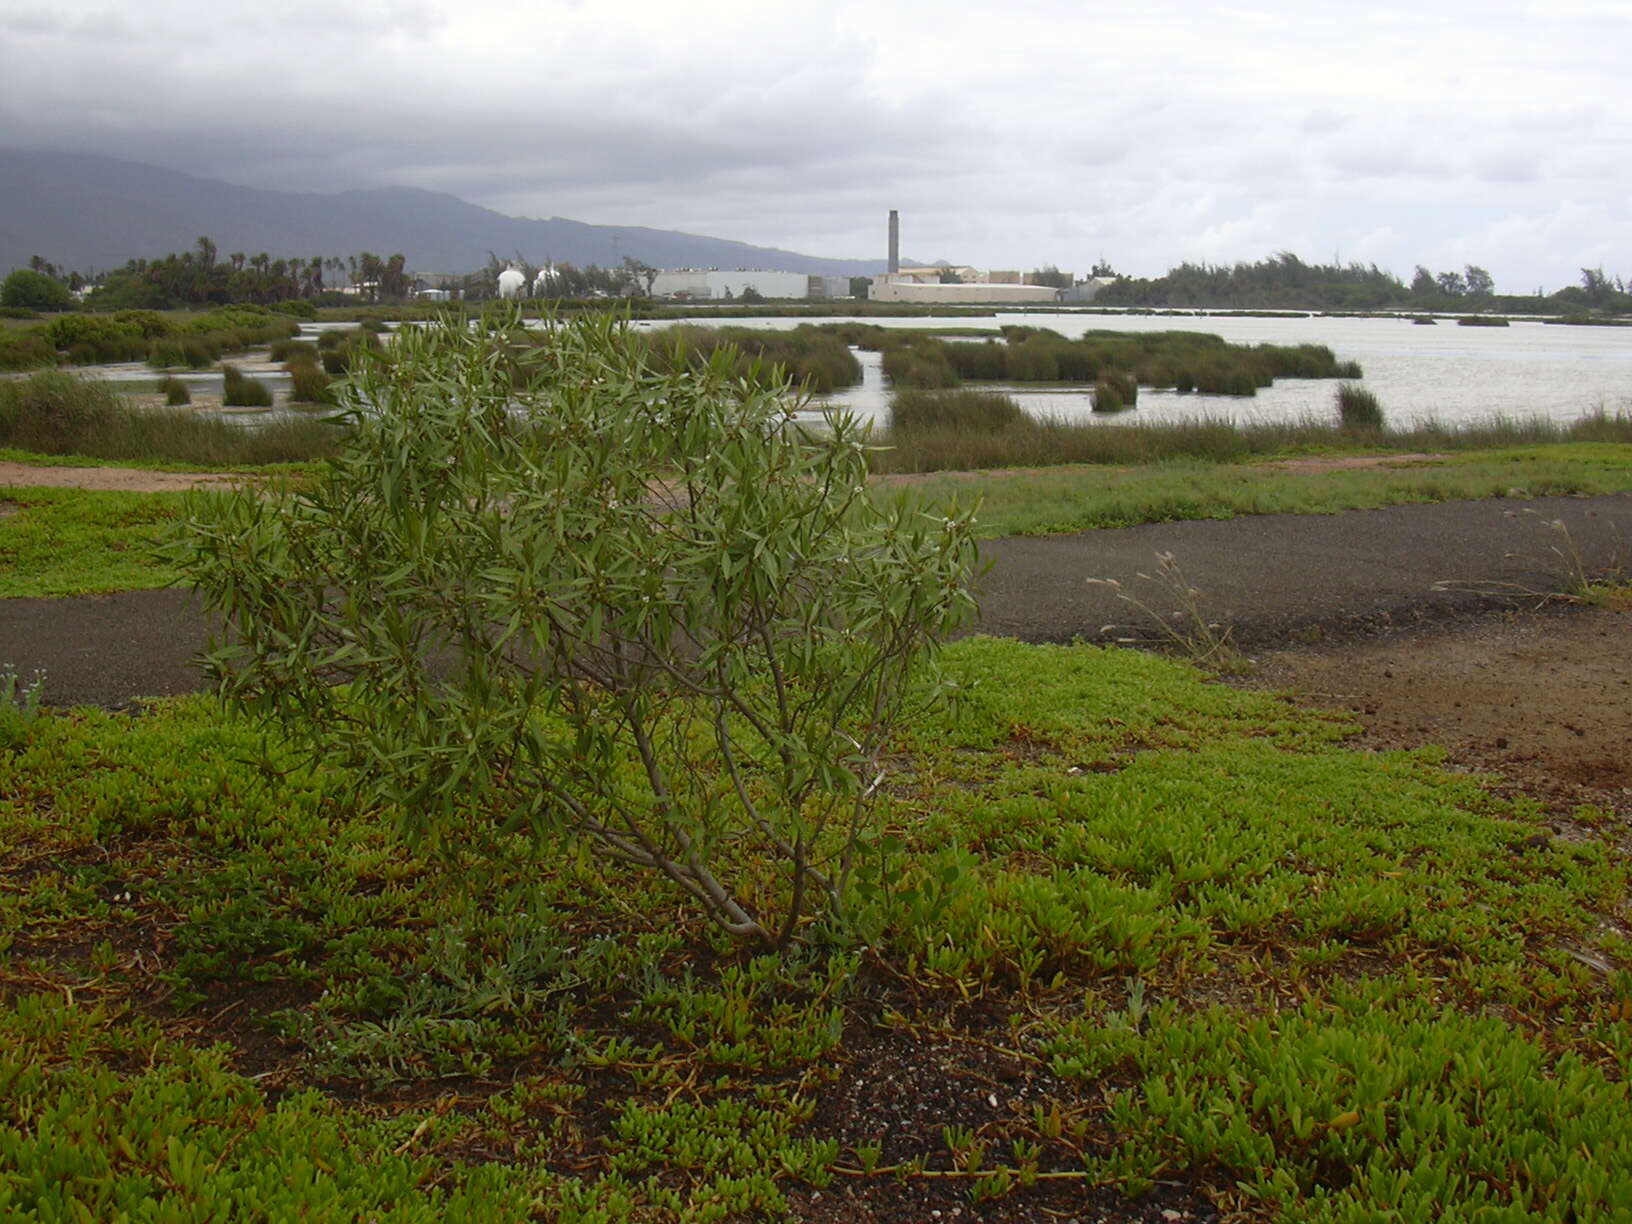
x=1448 y=373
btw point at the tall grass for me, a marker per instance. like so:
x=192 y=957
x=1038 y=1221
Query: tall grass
x=239 y=390
x=308 y=384
x=817 y=360
x=1358 y=408
x=1032 y=442
x=58 y=413
x=25 y=349
x=954 y=411
x=1183 y=360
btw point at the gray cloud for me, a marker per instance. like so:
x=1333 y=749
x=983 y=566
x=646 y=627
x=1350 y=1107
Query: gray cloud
x=1042 y=132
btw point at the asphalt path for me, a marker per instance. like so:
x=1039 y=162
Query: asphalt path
x=1271 y=579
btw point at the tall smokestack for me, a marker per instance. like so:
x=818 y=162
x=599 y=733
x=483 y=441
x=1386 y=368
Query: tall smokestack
x=895 y=241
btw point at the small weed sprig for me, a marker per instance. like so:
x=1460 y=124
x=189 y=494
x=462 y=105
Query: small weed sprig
x=1576 y=583
x=1579 y=585
x=1187 y=627
x=19 y=704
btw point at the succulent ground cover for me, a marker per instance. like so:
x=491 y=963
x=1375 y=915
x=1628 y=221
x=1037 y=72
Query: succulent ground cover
x=1136 y=945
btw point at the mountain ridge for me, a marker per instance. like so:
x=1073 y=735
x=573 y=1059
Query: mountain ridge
x=88 y=212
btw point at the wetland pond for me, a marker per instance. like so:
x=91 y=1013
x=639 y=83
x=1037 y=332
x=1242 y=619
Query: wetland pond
x=1447 y=373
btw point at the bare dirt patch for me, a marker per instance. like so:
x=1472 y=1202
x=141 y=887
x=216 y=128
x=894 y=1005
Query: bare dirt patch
x=123 y=480
x=1540 y=698
x=1348 y=463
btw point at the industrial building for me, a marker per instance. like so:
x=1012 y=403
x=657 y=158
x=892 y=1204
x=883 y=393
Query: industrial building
x=716 y=284
x=901 y=288
x=948 y=284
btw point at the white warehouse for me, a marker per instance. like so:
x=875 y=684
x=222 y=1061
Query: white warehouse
x=713 y=284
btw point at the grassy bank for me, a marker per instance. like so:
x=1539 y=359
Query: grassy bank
x=75 y=542
x=1059 y=499
x=1136 y=934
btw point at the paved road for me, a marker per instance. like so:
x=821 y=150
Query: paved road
x=1271 y=578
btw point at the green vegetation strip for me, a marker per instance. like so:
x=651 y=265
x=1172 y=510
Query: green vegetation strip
x=70 y=542
x=75 y=542
x=1184 y=934
x=1079 y=498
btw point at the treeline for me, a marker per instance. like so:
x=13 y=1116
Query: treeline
x=202 y=277
x=1285 y=282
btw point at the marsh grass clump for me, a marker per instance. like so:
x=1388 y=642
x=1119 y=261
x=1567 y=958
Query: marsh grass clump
x=1185 y=361
x=239 y=390
x=1107 y=397
x=59 y=413
x=286 y=350
x=194 y=352
x=337 y=350
x=176 y=392
x=984 y=362
x=1482 y=321
x=25 y=349
x=50 y=410
x=1358 y=408
x=961 y=410
x=812 y=359
x=308 y=384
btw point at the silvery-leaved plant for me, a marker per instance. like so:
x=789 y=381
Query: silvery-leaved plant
x=598 y=599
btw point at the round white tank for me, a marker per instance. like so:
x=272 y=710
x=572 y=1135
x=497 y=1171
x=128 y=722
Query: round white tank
x=510 y=283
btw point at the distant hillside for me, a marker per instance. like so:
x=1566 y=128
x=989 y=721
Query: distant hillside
x=85 y=213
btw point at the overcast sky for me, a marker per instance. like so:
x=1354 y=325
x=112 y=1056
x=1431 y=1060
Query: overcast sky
x=1009 y=135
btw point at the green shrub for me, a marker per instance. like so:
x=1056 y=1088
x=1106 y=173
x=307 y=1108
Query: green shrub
x=25 y=349
x=703 y=685
x=238 y=390
x=1358 y=408
x=980 y=411
x=27 y=289
x=176 y=392
x=18 y=312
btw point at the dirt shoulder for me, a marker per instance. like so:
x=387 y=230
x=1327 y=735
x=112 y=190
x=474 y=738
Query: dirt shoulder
x=1541 y=697
x=115 y=479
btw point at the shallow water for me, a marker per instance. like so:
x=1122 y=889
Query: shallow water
x=1447 y=373
x=1452 y=374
